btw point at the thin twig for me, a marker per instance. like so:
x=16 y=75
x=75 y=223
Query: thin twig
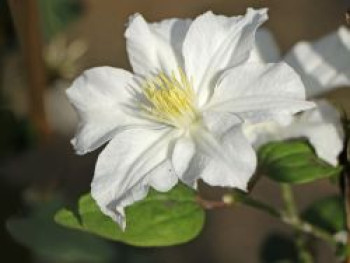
x=209 y=204
x=299 y=224
x=291 y=213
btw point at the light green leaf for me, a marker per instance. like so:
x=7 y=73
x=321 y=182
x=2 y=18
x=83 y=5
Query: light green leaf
x=327 y=213
x=161 y=219
x=293 y=162
x=42 y=236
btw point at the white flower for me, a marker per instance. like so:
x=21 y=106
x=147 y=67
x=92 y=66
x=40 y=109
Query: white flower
x=323 y=65
x=179 y=115
x=265 y=48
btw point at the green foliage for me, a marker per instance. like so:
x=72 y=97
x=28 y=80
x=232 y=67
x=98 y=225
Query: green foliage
x=15 y=135
x=293 y=162
x=39 y=233
x=57 y=14
x=327 y=213
x=278 y=248
x=161 y=219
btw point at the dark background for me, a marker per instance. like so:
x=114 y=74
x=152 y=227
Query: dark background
x=33 y=172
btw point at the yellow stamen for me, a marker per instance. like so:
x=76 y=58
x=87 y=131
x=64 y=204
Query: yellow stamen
x=169 y=100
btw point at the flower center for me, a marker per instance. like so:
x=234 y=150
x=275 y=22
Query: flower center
x=170 y=100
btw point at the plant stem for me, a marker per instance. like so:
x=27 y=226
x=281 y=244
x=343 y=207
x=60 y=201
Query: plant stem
x=289 y=202
x=25 y=16
x=292 y=214
x=344 y=160
x=304 y=255
x=300 y=225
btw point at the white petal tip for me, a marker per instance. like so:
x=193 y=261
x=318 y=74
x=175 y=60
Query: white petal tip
x=344 y=35
x=133 y=21
x=120 y=218
x=132 y=18
x=74 y=143
x=243 y=187
x=117 y=215
x=334 y=163
x=263 y=12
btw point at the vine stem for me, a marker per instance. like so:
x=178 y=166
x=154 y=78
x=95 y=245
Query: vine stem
x=291 y=212
x=300 y=225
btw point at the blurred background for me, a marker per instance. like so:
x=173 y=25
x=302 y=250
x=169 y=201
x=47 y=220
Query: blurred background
x=44 y=44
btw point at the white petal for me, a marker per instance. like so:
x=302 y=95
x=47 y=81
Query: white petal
x=126 y=166
x=154 y=47
x=163 y=177
x=258 y=92
x=259 y=134
x=323 y=64
x=184 y=150
x=322 y=127
x=98 y=95
x=223 y=155
x=265 y=49
x=214 y=43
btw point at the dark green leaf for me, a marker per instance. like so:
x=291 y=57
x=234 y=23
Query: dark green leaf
x=15 y=135
x=57 y=14
x=39 y=233
x=327 y=213
x=278 y=248
x=161 y=219
x=293 y=162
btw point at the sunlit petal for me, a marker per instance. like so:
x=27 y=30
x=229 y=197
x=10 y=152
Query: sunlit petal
x=214 y=43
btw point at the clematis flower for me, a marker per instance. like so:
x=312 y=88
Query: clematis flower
x=179 y=115
x=322 y=65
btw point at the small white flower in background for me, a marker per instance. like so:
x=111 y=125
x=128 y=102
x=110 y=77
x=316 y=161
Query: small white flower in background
x=60 y=114
x=62 y=63
x=179 y=116
x=62 y=57
x=323 y=65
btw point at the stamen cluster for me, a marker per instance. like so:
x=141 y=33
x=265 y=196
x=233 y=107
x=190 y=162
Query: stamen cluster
x=169 y=100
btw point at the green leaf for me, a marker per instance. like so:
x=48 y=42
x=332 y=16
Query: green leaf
x=293 y=162
x=278 y=248
x=15 y=135
x=57 y=14
x=327 y=213
x=161 y=219
x=39 y=233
